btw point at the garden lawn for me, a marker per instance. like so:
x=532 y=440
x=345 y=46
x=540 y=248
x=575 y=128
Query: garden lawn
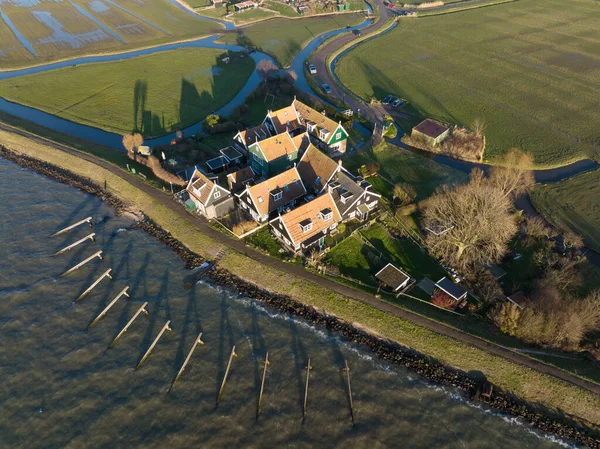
x=529 y=69
x=282 y=8
x=251 y=15
x=155 y=94
x=572 y=204
x=284 y=38
x=402 y=166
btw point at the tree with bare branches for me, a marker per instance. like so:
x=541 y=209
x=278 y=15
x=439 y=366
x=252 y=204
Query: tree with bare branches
x=264 y=67
x=479 y=128
x=513 y=175
x=132 y=142
x=478 y=220
x=572 y=240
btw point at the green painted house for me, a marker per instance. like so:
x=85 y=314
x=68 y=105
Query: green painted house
x=272 y=156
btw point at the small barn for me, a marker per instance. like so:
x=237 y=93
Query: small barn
x=242 y=6
x=449 y=295
x=393 y=277
x=430 y=132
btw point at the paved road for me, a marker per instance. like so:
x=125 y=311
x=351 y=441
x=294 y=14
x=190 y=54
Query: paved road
x=319 y=59
x=298 y=271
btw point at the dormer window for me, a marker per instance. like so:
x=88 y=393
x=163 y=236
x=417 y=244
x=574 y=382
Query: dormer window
x=326 y=214
x=345 y=196
x=306 y=225
x=217 y=194
x=277 y=194
x=323 y=133
x=311 y=126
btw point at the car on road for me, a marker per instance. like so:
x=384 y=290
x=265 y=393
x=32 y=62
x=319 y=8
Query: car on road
x=312 y=69
x=387 y=100
x=357 y=32
x=326 y=88
x=397 y=102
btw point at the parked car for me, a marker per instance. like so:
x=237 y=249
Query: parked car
x=312 y=69
x=387 y=100
x=326 y=88
x=397 y=102
x=357 y=32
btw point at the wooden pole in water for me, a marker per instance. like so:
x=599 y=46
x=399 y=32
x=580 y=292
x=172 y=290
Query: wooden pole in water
x=73 y=245
x=147 y=354
x=262 y=385
x=197 y=342
x=231 y=356
x=121 y=293
x=68 y=228
x=308 y=368
x=130 y=322
x=96 y=282
x=347 y=369
x=80 y=264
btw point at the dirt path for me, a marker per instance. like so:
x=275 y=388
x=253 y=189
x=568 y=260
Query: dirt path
x=238 y=245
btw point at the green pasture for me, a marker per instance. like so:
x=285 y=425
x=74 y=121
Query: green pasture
x=572 y=204
x=529 y=69
x=92 y=28
x=154 y=94
x=284 y=38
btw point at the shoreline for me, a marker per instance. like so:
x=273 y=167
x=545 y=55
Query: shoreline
x=565 y=427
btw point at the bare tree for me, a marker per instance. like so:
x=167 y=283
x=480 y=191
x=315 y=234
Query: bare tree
x=478 y=220
x=536 y=228
x=572 y=240
x=404 y=193
x=264 y=67
x=132 y=142
x=513 y=175
x=292 y=75
x=479 y=128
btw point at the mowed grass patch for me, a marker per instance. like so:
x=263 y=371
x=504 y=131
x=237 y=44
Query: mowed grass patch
x=155 y=94
x=529 y=384
x=61 y=30
x=572 y=204
x=529 y=69
x=284 y=38
x=397 y=165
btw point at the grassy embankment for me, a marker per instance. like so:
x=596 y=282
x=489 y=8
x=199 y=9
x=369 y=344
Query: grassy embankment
x=156 y=94
x=526 y=383
x=495 y=64
x=572 y=204
x=284 y=38
x=135 y=25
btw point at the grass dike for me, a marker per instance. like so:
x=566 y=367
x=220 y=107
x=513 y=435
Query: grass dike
x=538 y=399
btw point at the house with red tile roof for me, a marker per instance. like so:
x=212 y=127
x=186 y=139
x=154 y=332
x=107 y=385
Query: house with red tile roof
x=276 y=194
x=430 y=132
x=273 y=155
x=207 y=197
x=307 y=225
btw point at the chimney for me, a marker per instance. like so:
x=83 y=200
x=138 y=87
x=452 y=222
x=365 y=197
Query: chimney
x=340 y=162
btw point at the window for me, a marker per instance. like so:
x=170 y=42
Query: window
x=338 y=136
x=323 y=133
x=318 y=180
x=326 y=214
x=217 y=194
x=277 y=196
x=260 y=199
x=306 y=225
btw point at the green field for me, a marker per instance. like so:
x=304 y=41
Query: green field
x=398 y=166
x=155 y=94
x=59 y=30
x=572 y=204
x=529 y=69
x=284 y=38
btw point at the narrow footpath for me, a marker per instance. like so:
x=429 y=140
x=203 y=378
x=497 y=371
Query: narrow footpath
x=238 y=245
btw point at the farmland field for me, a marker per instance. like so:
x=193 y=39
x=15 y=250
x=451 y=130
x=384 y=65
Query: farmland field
x=573 y=204
x=529 y=69
x=35 y=32
x=284 y=38
x=181 y=88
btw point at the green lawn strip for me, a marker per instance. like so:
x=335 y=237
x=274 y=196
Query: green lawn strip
x=526 y=383
x=454 y=68
x=251 y=15
x=264 y=240
x=572 y=204
x=156 y=94
x=461 y=6
x=283 y=38
x=282 y=8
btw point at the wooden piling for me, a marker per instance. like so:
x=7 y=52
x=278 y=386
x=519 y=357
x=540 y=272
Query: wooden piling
x=231 y=356
x=197 y=342
x=347 y=369
x=130 y=322
x=96 y=282
x=147 y=354
x=68 y=228
x=73 y=245
x=308 y=368
x=121 y=293
x=262 y=385
x=80 y=264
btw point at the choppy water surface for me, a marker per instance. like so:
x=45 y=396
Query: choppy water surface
x=61 y=388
